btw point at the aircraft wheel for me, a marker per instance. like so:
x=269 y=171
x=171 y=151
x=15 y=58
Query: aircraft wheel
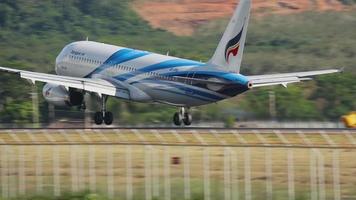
x=98 y=118
x=188 y=119
x=178 y=119
x=108 y=118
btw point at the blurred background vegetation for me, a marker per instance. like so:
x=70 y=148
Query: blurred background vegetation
x=32 y=33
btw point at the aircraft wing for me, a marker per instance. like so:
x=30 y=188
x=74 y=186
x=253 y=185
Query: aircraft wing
x=287 y=78
x=100 y=86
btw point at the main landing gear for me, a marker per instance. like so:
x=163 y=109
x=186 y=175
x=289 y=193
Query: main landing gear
x=183 y=116
x=103 y=116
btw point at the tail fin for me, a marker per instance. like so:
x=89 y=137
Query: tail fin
x=228 y=55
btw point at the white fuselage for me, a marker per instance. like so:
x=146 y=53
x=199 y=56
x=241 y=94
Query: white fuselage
x=153 y=77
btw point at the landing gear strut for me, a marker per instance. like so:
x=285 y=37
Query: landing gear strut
x=83 y=106
x=103 y=116
x=183 y=116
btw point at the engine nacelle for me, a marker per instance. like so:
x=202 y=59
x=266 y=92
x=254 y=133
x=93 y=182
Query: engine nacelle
x=60 y=96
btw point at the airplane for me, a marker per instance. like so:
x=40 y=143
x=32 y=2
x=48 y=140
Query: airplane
x=140 y=76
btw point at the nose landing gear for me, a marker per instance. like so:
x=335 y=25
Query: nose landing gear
x=183 y=116
x=103 y=116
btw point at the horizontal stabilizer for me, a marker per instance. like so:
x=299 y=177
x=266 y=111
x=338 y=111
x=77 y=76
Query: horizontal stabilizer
x=287 y=78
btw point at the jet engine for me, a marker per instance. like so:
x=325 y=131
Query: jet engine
x=214 y=87
x=60 y=96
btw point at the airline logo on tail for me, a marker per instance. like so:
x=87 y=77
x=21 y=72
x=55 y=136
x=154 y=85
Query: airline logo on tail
x=233 y=46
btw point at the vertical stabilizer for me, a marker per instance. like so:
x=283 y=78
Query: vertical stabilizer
x=228 y=55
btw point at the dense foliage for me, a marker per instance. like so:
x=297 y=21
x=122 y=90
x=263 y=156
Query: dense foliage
x=33 y=32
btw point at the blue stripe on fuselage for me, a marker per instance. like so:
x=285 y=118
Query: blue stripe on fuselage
x=183 y=94
x=119 y=57
x=159 y=66
x=236 y=78
x=187 y=90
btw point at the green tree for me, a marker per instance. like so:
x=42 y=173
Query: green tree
x=336 y=94
x=293 y=103
x=32 y=33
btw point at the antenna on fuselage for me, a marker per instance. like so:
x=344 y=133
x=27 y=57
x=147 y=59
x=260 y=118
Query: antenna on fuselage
x=87 y=39
x=167 y=53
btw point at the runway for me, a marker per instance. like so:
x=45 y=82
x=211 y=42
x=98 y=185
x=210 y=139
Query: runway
x=186 y=129
x=194 y=137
